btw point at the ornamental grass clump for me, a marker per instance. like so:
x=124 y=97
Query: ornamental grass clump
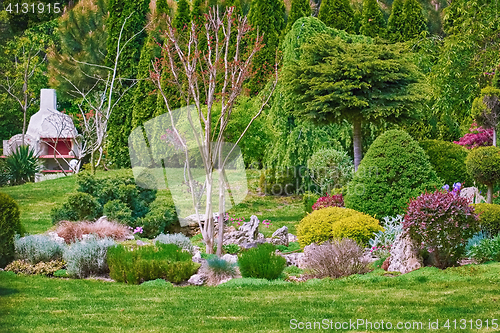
x=488 y=249
x=261 y=262
x=218 y=270
x=441 y=222
x=74 y=231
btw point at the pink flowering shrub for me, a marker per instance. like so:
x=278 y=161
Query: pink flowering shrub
x=441 y=222
x=477 y=137
x=329 y=201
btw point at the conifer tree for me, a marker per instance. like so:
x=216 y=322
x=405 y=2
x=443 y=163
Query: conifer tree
x=197 y=13
x=182 y=15
x=268 y=16
x=298 y=9
x=396 y=22
x=373 y=23
x=413 y=20
x=237 y=6
x=337 y=14
x=120 y=123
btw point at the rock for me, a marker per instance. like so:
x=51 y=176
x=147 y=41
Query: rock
x=197 y=258
x=192 y=220
x=141 y=243
x=247 y=233
x=294 y=259
x=197 y=279
x=404 y=255
x=251 y=228
x=230 y=258
x=292 y=238
x=280 y=236
x=472 y=193
x=224 y=280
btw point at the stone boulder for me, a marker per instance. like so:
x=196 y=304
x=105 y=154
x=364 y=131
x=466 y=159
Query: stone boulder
x=405 y=255
x=247 y=233
x=197 y=279
x=230 y=258
x=472 y=193
x=280 y=236
x=294 y=259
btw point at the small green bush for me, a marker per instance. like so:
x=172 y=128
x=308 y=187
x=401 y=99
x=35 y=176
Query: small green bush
x=165 y=261
x=87 y=257
x=278 y=182
x=36 y=248
x=330 y=169
x=80 y=206
x=486 y=250
x=117 y=210
x=336 y=222
x=160 y=217
x=10 y=225
x=308 y=200
x=231 y=248
x=489 y=217
x=293 y=246
x=261 y=262
x=448 y=160
x=483 y=164
x=394 y=169
x=4 y=173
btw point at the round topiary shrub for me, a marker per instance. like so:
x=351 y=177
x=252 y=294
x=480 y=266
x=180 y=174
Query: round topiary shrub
x=394 y=169
x=448 y=160
x=336 y=223
x=483 y=164
x=330 y=169
x=489 y=217
x=10 y=225
x=80 y=206
x=441 y=222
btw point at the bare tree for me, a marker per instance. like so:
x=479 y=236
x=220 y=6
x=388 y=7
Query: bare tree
x=99 y=101
x=207 y=78
x=27 y=56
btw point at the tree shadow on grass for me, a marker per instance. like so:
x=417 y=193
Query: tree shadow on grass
x=8 y=291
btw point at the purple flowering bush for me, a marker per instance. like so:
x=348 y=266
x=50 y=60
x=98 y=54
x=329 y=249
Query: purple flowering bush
x=441 y=222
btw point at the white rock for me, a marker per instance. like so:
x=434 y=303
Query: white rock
x=197 y=279
x=404 y=255
x=230 y=258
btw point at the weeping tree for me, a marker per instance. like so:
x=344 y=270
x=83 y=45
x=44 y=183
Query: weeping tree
x=336 y=80
x=210 y=81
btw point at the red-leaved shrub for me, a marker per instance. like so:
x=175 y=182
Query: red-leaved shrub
x=72 y=231
x=441 y=222
x=477 y=137
x=329 y=201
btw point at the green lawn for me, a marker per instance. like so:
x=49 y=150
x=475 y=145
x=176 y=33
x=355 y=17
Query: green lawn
x=39 y=304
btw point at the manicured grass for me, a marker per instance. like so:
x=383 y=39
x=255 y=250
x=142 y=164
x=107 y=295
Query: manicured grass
x=39 y=304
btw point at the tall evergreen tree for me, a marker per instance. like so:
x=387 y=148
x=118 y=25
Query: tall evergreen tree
x=237 y=6
x=197 y=13
x=373 y=23
x=396 y=22
x=337 y=14
x=413 y=20
x=268 y=16
x=299 y=8
x=120 y=123
x=182 y=15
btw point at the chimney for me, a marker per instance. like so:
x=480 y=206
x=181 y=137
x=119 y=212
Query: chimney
x=48 y=99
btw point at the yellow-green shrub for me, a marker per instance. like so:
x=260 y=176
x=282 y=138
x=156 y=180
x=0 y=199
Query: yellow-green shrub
x=336 y=222
x=489 y=217
x=359 y=227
